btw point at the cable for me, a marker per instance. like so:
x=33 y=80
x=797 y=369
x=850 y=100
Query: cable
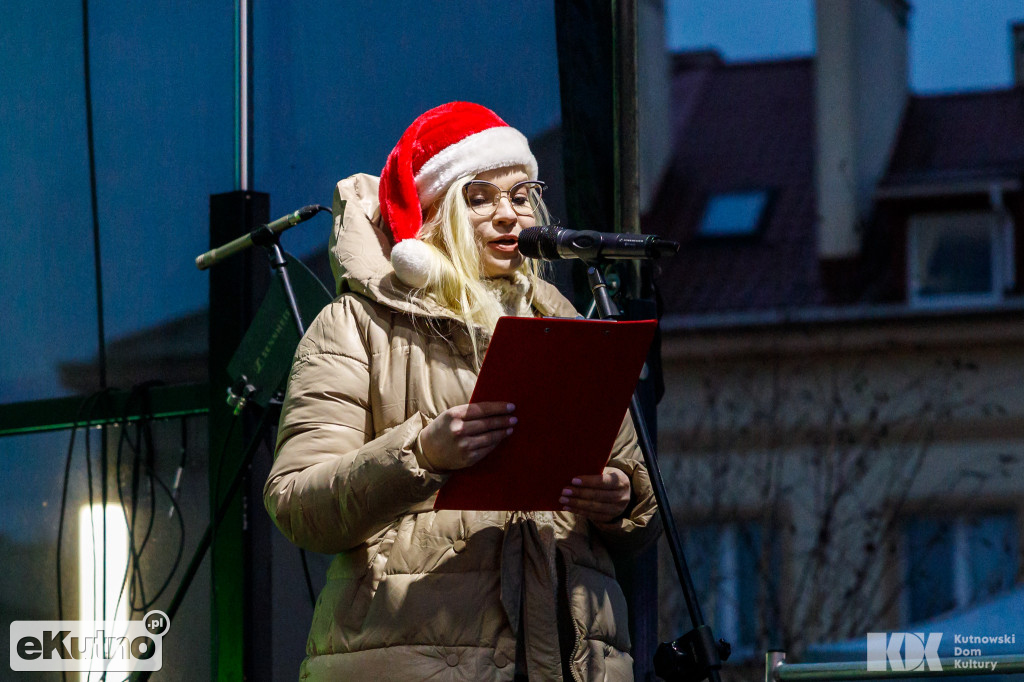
x=90 y=143
x=86 y=408
x=87 y=403
x=134 y=551
x=181 y=463
x=144 y=455
x=309 y=580
x=98 y=272
x=137 y=577
x=92 y=517
x=144 y=452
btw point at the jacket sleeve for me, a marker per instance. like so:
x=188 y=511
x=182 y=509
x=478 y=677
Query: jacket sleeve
x=640 y=525
x=333 y=484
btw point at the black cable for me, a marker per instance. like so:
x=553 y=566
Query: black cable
x=102 y=601
x=136 y=548
x=135 y=554
x=84 y=417
x=90 y=143
x=144 y=424
x=182 y=460
x=154 y=477
x=145 y=604
x=63 y=503
x=87 y=403
x=133 y=559
x=85 y=408
x=309 y=580
x=144 y=455
x=181 y=546
x=145 y=458
x=97 y=268
x=92 y=518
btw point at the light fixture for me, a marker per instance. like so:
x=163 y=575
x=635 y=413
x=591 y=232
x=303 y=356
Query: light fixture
x=99 y=589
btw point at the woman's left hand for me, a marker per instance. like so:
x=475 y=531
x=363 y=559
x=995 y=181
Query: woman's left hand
x=600 y=497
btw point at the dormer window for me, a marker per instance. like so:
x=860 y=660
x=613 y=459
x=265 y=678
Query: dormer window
x=958 y=258
x=734 y=214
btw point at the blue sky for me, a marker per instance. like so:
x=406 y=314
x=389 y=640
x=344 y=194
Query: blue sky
x=954 y=44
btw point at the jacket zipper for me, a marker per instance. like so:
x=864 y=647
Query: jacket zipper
x=572 y=621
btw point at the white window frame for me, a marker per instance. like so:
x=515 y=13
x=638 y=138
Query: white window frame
x=963 y=589
x=1002 y=259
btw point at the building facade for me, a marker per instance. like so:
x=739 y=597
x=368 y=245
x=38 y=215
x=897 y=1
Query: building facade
x=842 y=431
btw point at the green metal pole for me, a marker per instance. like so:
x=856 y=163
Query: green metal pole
x=777 y=670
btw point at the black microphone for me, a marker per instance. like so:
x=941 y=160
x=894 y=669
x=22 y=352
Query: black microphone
x=551 y=242
x=214 y=256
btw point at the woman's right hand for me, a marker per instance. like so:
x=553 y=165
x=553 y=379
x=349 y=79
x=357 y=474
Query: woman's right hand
x=463 y=435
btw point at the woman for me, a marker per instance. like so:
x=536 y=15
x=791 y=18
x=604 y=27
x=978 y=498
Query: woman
x=376 y=416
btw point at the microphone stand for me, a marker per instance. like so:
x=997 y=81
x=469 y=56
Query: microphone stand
x=695 y=655
x=270 y=240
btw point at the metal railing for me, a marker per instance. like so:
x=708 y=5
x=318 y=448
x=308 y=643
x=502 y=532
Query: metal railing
x=777 y=670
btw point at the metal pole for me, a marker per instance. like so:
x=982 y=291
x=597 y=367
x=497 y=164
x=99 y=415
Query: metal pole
x=772 y=660
x=777 y=670
x=243 y=113
x=627 y=179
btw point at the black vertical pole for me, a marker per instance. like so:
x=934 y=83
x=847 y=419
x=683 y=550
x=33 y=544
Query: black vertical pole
x=640 y=574
x=584 y=34
x=240 y=617
x=597 y=80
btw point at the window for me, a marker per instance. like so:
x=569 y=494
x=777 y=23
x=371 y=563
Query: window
x=955 y=561
x=958 y=258
x=733 y=569
x=733 y=214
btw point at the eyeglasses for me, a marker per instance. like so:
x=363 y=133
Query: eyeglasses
x=483 y=197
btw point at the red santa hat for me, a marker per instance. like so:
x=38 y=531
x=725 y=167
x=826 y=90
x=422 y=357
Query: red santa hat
x=444 y=144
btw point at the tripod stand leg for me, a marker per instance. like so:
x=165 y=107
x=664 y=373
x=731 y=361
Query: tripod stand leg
x=694 y=656
x=204 y=543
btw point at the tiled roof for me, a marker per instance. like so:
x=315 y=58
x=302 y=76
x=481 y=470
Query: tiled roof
x=750 y=126
x=740 y=127
x=960 y=137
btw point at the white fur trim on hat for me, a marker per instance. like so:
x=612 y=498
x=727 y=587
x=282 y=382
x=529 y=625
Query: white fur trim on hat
x=492 y=148
x=411 y=260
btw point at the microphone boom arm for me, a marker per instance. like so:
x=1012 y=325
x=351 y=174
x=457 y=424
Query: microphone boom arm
x=215 y=255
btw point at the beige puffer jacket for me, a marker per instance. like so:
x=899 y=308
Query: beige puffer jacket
x=415 y=594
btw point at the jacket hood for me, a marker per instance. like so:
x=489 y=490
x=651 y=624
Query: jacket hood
x=360 y=253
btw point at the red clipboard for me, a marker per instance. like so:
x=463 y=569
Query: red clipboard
x=571 y=382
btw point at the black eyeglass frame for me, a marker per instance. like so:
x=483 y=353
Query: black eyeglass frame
x=503 y=192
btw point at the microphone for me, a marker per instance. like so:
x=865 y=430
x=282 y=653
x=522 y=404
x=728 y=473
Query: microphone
x=214 y=256
x=551 y=242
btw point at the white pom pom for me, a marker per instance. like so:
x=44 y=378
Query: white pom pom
x=411 y=260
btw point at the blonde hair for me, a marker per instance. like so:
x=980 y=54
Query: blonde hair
x=455 y=280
